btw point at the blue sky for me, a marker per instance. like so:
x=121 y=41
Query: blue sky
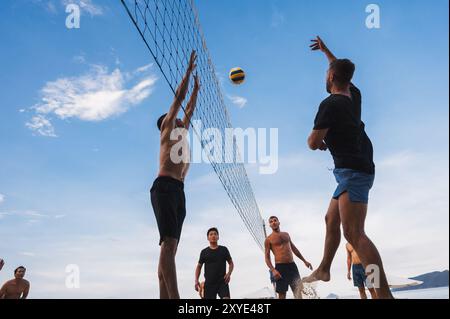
x=81 y=196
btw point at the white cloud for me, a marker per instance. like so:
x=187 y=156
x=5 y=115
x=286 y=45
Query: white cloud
x=238 y=100
x=277 y=18
x=86 y=5
x=48 y=5
x=144 y=68
x=95 y=96
x=79 y=59
x=2 y=198
x=41 y=125
x=27 y=254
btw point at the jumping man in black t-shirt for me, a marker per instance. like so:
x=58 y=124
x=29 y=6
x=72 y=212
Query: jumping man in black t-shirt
x=215 y=258
x=338 y=127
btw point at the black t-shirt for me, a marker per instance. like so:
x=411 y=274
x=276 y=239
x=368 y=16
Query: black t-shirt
x=346 y=139
x=215 y=263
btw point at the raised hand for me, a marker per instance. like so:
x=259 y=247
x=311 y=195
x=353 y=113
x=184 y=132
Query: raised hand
x=183 y=88
x=318 y=44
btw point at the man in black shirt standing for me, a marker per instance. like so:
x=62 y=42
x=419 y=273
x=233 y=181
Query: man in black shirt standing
x=338 y=127
x=215 y=258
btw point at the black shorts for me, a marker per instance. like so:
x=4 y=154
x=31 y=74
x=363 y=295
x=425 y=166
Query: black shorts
x=169 y=205
x=289 y=277
x=212 y=290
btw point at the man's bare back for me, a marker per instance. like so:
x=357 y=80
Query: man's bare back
x=280 y=245
x=15 y=289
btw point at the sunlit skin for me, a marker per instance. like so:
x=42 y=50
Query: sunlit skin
x=283 y=249
x=17 y=288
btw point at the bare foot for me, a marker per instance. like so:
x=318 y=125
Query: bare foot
x=318 y=275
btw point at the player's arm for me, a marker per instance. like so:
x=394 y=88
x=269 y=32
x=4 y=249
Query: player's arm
x=349 y=263
x=198 y=270
x=181 y=92
x=269 y=264
x=230 y=271
x=300 y=256
x=316 y=140
x=190 y=108
x=3 y=291
x=318 y=44
x=26 y=291
x=267 y=254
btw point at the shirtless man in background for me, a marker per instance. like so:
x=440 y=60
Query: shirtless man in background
x=167 y=193
x=354 y=264
x=17 y=288
x=285 y=271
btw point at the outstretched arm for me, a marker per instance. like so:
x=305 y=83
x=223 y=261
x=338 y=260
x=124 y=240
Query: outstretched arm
x=299 y=255
x=181 y=92
x=192 y=103
x=318 y=44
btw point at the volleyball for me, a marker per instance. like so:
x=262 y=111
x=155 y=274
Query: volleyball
x=237 y=76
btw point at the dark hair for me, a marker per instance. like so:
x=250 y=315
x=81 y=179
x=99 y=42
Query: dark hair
x=273 y=217
x=17 y=269
x=211 y=230
x=160 y=121
x=343 y=70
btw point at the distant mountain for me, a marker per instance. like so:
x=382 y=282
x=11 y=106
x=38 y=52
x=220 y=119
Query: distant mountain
x=430 y=280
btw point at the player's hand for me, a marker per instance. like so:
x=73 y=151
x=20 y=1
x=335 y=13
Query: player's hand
x=323 y=147
x=192 y=61
x=197 y=286
x=227 y=278
x=196 y=83
x=308 y=265
x=318 y=44
x=349 y=276
x=276 y=274
x=184 y=86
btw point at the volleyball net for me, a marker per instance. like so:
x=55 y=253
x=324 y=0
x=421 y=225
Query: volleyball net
x=171 y=30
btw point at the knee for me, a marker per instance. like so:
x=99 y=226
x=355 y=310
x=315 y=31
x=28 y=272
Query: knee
x=169 y=247
x=353 y=235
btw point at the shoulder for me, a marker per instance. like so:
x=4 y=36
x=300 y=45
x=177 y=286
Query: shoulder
x=9 y=283
x=328 y=101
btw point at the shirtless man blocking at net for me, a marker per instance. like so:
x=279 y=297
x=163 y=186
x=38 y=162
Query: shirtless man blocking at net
x=167 y=193
x=338 y=127
x=285 y=271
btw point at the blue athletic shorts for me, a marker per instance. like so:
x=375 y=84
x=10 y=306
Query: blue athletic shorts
x=357 y=184
x=359 y=276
